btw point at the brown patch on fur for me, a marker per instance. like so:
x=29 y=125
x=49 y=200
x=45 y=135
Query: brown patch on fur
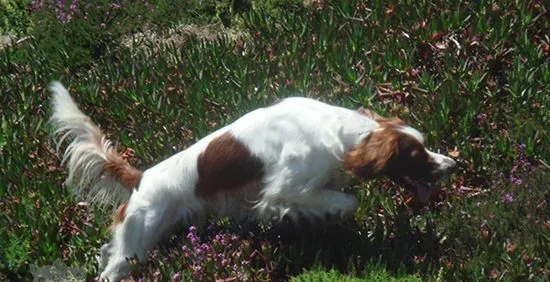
x=372 y=155
x=120 y=214
x=119 y=168
x=225 y=165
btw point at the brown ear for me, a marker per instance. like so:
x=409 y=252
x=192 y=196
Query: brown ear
x=372 y=155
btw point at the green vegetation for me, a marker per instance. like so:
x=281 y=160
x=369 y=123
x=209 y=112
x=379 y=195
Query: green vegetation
x=474 y=76
x=374 y=275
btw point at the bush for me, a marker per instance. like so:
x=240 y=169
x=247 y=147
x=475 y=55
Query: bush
x=75 y=33
x=14 y=17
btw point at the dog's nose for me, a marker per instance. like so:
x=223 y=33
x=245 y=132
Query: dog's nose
x=448 y=164
x=444 y=163
x=451 y=163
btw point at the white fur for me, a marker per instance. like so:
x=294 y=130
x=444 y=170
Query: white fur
x=301 y=142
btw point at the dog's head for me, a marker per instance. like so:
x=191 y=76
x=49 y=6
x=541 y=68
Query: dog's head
x=397 y=151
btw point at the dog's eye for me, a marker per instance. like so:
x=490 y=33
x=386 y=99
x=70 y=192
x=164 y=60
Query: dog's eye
x=415 y=153
x=418 y=156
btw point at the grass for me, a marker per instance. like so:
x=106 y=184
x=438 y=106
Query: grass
x=373 y=275
x=472 y=75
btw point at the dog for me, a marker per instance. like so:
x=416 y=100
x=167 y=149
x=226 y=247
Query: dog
x=289 y=159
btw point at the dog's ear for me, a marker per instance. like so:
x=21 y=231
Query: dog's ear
x=372 y=155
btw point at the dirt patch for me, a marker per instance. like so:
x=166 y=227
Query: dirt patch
x=178 y=36
x=10 y=40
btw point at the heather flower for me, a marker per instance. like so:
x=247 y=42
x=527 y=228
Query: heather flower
x=36 y=5
x=157 y=275
x=197 y=269
x=73 y=7
x=186 y=251
x=508 y=198
x=521 y=168
x=481 y=118
x=192 y=235
x=225 y=255
x=176 y=277
x=64 y=10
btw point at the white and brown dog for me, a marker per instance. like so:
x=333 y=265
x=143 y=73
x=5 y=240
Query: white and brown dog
x=285 y=159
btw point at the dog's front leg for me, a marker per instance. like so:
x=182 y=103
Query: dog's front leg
x=133 y=237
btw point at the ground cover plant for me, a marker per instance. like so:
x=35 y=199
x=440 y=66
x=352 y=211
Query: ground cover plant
x=473 y=75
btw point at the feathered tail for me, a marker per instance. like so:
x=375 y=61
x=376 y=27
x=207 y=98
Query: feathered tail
x=96 y=171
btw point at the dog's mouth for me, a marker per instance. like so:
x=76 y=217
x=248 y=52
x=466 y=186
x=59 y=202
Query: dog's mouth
x=422 y=189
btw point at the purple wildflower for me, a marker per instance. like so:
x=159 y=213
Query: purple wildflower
x=521 y=168
x=186 y=251
x=481 y=118
x=192 y=235
x=508 y=198
x=36 y=5
x=157 y=276
x=176 y=277
x=204 y=247
x=225 y=255
x=197 y=269
x=73 y=7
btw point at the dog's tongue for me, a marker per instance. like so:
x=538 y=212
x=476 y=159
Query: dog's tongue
x=423 y=193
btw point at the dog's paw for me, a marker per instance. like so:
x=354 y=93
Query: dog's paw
x=334 y=215
x=116 y=269
x=108 y=277
x=339 y=213
x=104 y=255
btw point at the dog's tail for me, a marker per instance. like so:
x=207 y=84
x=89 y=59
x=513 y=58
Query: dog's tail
x=96 y=171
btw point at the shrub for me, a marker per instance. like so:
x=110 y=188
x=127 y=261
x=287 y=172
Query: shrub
x=74 y=33
x=14 y=17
